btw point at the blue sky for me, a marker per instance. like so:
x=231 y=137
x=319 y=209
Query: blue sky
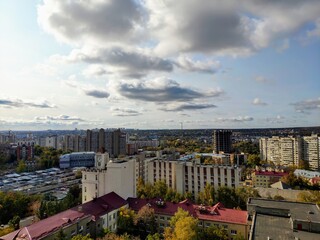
x=153 y=64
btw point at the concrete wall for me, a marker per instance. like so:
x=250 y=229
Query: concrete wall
x=288 y=194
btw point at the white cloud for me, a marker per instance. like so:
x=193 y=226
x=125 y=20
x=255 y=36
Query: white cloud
x=190 y=65
x=162 y=90
x=258 y=101
x=235 y=119
x=306 y=106
x=125 y=112
x=94 y=21
x=19 y=103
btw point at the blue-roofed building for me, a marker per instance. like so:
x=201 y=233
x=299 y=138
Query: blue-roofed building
x=77 y=159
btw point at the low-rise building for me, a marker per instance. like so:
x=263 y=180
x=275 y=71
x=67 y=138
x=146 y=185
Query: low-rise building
x=283 y=220
x=266 y=178
x=234 y=221
x=91 y=217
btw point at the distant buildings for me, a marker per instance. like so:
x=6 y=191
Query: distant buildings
x=111 y=141
x=77 y=159
x=25 y=150
x=291 y=150
x=221 y=140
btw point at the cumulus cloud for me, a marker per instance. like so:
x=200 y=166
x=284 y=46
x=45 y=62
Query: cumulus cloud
x=93 y=21
x=59 y=118
x=188 y=64
x=127 y=62
x=96 y=93
x=306 y=106
x=125 y=112
x=161 y=90
x=277 y=119
x=235 y=119
x=18 y=103
x=187 y=107
x=259 y=102
x=87 y=90
x=228 y=27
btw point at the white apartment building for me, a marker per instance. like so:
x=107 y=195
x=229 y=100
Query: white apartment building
x=107 y=176
x=311 y=151
x=191 y=176
x=289 y=150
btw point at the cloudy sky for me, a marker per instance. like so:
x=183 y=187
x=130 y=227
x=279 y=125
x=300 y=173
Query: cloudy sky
x=154 y=64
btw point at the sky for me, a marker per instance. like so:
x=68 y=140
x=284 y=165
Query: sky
x=159 y=64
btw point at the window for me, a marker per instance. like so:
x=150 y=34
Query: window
x=85 y=177
x=96 y=177
x=233 y=232
x=85 y=189
x=80 y=229
x=114 y=215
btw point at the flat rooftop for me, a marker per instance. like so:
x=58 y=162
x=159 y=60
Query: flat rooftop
x=298 y=210
x=278 y=228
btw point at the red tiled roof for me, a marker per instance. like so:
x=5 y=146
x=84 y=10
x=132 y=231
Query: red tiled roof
x=267 y=173
x=103 y=205
x=216 y=213
x=46 y=226
x=94 y=209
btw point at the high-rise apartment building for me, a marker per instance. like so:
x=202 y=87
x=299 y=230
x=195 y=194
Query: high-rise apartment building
x=311 y=150
x=113 y=142
x=290 y=150
x=221 y=140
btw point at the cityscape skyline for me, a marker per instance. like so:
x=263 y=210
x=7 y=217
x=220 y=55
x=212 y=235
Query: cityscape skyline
x=158 y=65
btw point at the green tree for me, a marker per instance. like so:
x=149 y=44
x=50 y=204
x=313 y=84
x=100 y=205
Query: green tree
x=81 y=237
x=145 y=220
x=253 y=159
x=207 y=196
x=22 y=167
x=155 y=236
x=214 y=232
x=126 y=220
x=182 y=227
x=15 y=222
x=61 y=235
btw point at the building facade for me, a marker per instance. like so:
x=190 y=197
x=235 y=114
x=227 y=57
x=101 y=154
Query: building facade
x=192 y=176
x=77 y=159
x=89 y=218
x=291 y=150
x=221 y=140
x=107 y=176
x=234 y=221
x=265 y=178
